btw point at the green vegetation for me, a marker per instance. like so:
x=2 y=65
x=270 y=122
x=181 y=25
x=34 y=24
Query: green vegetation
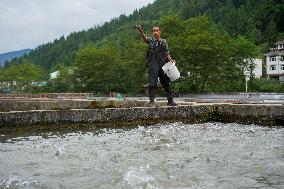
x=265 y=85
x=212 y=41
x=22 y=74
x=214 y=59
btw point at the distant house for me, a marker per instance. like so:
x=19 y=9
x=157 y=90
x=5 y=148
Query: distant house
x=39 y=83
x=275 y=62
x=257 y=71
x=54 y=75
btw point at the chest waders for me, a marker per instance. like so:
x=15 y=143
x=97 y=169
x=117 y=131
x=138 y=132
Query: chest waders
x=156 y=60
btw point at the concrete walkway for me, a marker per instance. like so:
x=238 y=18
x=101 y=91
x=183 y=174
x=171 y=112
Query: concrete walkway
x=37 y=112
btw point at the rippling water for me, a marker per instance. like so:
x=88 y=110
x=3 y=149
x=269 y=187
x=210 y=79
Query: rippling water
x=174 y=155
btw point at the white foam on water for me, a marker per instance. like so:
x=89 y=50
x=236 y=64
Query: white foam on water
x=138 y=177
x=59 y=152
x=16 y=180
x=170 y=156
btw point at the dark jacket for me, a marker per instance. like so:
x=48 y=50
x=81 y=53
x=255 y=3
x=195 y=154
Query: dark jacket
x=157 y=51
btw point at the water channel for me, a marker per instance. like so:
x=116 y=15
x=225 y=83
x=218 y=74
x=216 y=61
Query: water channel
x=172 y=155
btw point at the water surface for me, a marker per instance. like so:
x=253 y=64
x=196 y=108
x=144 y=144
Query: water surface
x=174 y=155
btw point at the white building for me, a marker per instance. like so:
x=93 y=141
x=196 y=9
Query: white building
x=54 y=75
x=257 y=67
x=257 y=71
x=275 y=62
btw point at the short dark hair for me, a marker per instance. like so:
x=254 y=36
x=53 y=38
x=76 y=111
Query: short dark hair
x=156 y=28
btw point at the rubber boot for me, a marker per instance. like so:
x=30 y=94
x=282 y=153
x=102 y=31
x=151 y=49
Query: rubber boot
x=152 y=95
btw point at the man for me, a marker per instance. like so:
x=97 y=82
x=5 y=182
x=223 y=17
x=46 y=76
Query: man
x=157 y=56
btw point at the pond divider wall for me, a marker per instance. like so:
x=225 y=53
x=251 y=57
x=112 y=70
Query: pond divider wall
x=262 y=114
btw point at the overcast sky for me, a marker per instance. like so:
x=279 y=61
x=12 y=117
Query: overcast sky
x=29 y=23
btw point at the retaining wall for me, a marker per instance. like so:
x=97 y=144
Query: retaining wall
x=242 y=113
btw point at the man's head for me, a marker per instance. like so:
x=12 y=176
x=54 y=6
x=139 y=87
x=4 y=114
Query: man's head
x=156 y=32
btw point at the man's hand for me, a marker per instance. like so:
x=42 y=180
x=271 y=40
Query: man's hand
x=139 y=28
x=170 y=59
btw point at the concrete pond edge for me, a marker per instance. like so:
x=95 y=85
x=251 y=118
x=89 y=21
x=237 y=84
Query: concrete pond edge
x=268 y=115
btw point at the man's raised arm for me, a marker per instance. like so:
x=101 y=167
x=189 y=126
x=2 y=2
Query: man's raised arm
x=139 y=28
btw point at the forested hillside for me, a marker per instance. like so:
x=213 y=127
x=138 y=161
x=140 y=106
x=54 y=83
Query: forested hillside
x=238 y=25
x=259 y=20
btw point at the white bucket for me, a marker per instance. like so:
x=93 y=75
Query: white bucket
x=171 y=70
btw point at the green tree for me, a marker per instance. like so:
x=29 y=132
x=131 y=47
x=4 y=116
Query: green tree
x=214 y=60
x=97 y=69
x=26 y=74
x=271 y=32
x=65 y=80
x=134 y=65
x=23 y=74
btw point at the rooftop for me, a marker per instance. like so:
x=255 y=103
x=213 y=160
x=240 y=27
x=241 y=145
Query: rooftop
x=279 y=42
x=274 y=53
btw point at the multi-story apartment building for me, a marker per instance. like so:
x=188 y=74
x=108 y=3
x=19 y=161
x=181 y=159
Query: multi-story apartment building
x=275 y=62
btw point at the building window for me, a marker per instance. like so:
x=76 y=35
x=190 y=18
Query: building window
x=273 y=67
x=282 y=67
x=273 y=58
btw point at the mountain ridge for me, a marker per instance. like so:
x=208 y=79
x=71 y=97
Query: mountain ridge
x=7 y=56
